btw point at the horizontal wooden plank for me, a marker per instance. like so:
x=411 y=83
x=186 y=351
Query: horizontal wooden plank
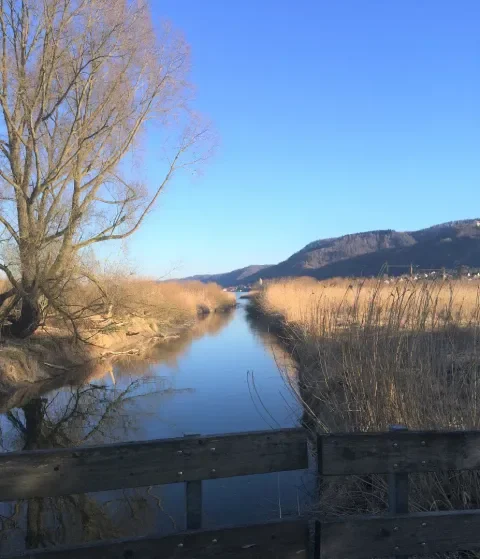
x=46 y=473
x=402 y=535
x=277 y=540
x=399 y=451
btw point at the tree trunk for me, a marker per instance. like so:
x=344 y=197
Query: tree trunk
x=28 y=321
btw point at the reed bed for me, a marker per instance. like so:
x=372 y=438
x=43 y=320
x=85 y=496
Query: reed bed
x=376 y=353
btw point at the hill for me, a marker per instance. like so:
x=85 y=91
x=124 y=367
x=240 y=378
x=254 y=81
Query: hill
x=231 y=279
x=448 y=245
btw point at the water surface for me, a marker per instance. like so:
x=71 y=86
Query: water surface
x=224 y=376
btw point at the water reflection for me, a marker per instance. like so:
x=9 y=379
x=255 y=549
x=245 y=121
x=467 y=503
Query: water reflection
x=170 y=352
x=221 y=376
x=73 y=417
x=283 y=359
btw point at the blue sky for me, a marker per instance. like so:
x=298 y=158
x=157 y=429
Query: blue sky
x=334 y=117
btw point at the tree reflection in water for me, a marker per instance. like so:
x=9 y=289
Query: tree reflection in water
x=92 y=406
x=170 y=352
x=72 y=417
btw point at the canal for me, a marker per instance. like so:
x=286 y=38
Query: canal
x=225 y=375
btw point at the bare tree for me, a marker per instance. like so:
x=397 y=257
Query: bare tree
x=79 y=81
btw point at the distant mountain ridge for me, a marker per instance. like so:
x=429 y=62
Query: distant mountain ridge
x=231 y=279
x=449 y=245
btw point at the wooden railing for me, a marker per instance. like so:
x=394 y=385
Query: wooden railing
x=47 y=473
x=398 y=454
x=189 y=460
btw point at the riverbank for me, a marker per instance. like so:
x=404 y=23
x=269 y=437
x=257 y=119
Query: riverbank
x=374 y=354
x=136 y=315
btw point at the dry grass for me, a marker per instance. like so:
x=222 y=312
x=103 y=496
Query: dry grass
x=372 y=354
x=115 y=303
x=329 y=305
x=124 y=296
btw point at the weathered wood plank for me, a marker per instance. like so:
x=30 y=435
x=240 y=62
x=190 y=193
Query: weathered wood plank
x=193 y=498
x=45 y=473
x=278 y=540
x=414 y=534
x=409 y=451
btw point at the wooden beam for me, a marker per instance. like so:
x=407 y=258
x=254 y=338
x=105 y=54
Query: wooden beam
x=48 y=473
x=407 y=452
x=414 y=534
x=278 y=540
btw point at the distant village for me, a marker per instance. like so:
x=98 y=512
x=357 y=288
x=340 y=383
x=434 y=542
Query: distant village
x=238 y=288
x=433 y=275
x=414 y=273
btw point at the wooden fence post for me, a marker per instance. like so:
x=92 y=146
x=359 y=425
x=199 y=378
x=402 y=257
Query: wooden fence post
x=193 y=502
x=398 y=489
x=194 y=505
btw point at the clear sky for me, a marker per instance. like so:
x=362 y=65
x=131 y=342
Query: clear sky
x=335 y=116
